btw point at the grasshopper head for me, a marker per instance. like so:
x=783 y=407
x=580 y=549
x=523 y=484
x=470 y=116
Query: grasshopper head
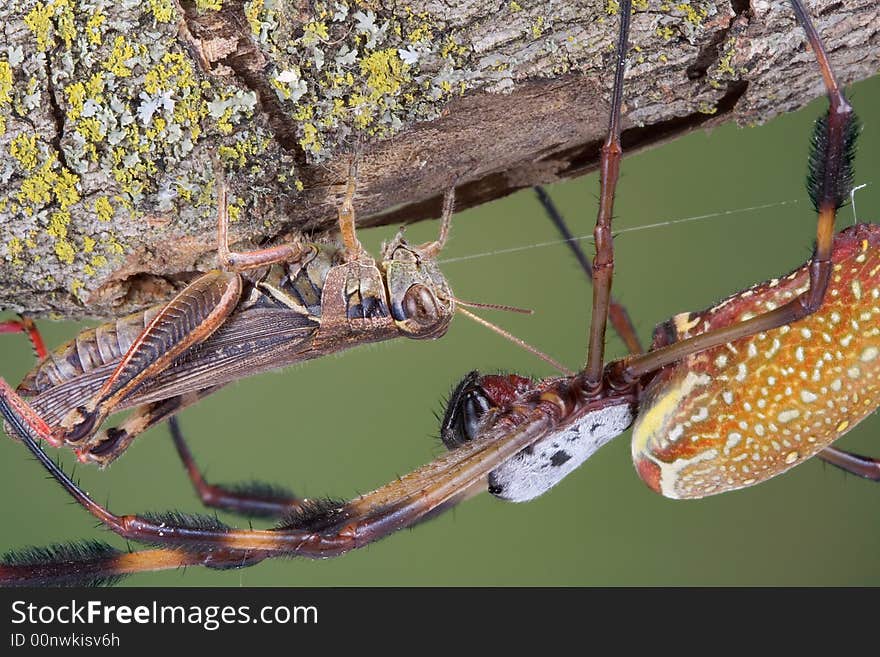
x=421 y=302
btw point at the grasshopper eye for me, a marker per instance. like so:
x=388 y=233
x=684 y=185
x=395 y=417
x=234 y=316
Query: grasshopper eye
x=420 y=306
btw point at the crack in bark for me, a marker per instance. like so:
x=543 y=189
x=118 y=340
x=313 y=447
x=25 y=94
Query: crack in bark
x=57 y=116
x=248 y=64
x=709 y=53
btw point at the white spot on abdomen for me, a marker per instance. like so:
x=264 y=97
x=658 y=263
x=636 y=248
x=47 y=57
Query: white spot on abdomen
x=533 y=472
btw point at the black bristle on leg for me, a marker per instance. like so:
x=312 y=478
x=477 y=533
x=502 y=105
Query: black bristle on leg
x=194 y=521
x=314 y=515
x=829 y=178
x=258 y=489
x=80 y=563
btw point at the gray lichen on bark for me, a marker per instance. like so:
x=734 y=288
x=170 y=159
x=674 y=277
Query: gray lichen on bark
x=109 y=113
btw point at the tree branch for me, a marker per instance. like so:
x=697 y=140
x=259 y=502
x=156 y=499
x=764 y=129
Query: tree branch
x=109 y=116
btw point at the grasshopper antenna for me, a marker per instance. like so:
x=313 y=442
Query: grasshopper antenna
x=517 y=341
x=493 y=306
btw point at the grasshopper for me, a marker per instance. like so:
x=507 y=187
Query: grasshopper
x=260 y=310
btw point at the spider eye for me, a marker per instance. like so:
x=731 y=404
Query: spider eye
x=473 y=409
x=463 y=417
x=420 y=305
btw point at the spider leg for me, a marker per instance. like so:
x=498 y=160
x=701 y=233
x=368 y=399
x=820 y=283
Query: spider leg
x=254 y=499
x=26 y=325
x=828 y=183
x=609 y=171
x=13 y=405
x=87 y=563
x=617 y=313
x=318 y=531
x=863 y=466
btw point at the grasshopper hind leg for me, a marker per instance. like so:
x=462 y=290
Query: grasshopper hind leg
x=26 y=325
x=109 y=444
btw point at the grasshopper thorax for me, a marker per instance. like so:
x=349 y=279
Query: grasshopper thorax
x=421 y=302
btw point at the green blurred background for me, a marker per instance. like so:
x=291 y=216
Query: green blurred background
x=348 y=423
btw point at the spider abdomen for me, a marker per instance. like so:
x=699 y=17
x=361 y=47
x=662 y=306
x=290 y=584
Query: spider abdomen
x=740 y=413
x=536 y=470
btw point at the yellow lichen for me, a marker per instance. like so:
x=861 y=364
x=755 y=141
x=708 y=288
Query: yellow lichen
x=76 y=95
x=64 y=21
x=665 y=32
x=75 y=286
x=57 y=228
x=36 y=190
x=384 y=71
x=724 y=63
x=280 y=86
x=39 y=20
x=691 y=15
x=58 y=222
x=223 y=124
x=24 y=149
x=95 y=86
x=88 y=244
x=310 y=141
x=452 y=47
x=97 y=261
x=163 y=10
x=314 y=32
x=252 y=12
x=5 y=89
x=706 y=108
x=14 y=250
x=91 y=128
x=103 y=208
x=117 y=61
x=113 y=246
x=93 y=27
x=213 y=5
x=234 y=210
x=5 y=82
x=46 y=184
x=423 y=31
x=237 y=156
x=538 y=27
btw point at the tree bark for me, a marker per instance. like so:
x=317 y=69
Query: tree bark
x=110 y=113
